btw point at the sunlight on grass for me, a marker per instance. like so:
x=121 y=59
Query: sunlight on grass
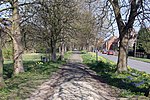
x=32 y=56
x=22 y=85
x=131 y=83
x=36 y=72
x=28 y=57
x=141 y=59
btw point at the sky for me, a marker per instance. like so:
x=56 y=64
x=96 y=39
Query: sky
x=125 y=15
x=97 y=4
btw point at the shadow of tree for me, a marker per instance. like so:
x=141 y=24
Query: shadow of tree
x=106 y=71
x=73 y=79
x=8 y=68
x=30 y=66
x=23 y=84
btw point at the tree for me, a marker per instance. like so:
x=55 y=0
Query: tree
x=126 y=13
x=16 y=37
x=144 y=39
x=86 y=30
x=2 y=83
x=11 y=9
x=53 y=23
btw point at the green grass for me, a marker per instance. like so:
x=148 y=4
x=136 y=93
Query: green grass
x=125 y=81
x=67 y=55
x=32 y=56
x=20 y=86
x=141 y=59
x=83 y=52
x=27 y=57
x=36 y=72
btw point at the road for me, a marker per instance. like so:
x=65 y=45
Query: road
x=138 y=65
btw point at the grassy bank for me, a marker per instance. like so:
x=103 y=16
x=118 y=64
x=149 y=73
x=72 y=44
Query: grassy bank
x=36 y=72
x=132 y=83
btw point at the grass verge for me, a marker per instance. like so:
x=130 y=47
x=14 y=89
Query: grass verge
x=36 y=72
x=132 y=83
x=140 y=59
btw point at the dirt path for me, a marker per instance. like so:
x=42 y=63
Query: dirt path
x=74 y=81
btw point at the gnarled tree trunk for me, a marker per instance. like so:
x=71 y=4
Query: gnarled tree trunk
x=16 y=36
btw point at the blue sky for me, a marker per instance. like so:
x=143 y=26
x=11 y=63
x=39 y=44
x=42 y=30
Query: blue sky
x=125 y=16
x=115 y=31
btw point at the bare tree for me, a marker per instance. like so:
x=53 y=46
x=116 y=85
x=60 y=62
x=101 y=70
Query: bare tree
x=126 y=13
x=123 y=15
x=15 y=34
x=2 y=83
x=53 y=22
x=11 y=8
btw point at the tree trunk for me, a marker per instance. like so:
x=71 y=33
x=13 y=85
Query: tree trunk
x=53 y=51
x=17 y=43
x=65 y=49
x=62 y=51
x=2 y=83
x=53 y=54
x=123 y=54
x=70 y=47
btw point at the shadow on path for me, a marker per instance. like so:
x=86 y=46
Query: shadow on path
x=74 y=81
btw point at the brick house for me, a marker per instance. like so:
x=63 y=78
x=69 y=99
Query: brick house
x=111 y=43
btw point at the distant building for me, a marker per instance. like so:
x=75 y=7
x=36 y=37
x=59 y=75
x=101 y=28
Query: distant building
x=111 y=43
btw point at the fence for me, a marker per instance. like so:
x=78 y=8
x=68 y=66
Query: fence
x=140 y=54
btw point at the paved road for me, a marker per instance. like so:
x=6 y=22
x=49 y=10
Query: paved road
x=139 y=65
